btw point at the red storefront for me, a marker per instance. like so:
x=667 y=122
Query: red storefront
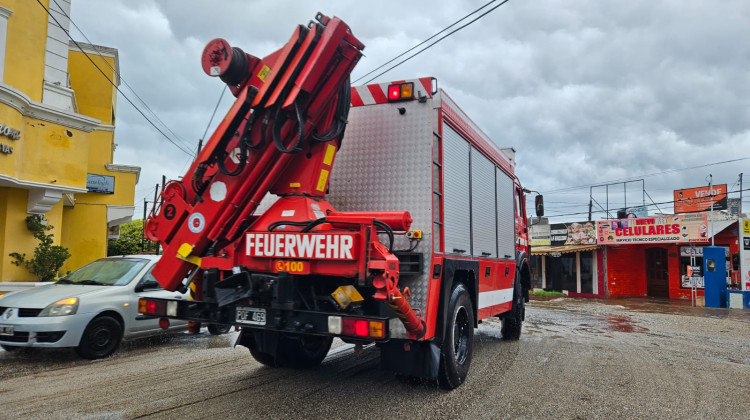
x=659 y=269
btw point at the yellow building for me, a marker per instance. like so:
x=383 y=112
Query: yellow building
x=57 y=120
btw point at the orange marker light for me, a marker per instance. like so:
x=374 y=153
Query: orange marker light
x=407 y=90
x=377 y=329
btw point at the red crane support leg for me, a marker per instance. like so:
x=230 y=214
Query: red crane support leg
x=387 y=291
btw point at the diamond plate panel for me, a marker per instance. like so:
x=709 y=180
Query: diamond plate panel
x=385 y=164
x=456 y=193
x=506 y=220
x=483 y=213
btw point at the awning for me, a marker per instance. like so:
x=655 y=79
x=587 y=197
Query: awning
x=720 y=225
x=562 y=249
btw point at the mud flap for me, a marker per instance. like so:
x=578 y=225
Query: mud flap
x=263 y=341
x=411 y=358
x=233 y=288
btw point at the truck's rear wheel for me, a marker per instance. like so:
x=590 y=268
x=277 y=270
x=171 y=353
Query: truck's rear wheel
x=291 y=351
x=302 y=352
x=513 y=321
x=219 y=329
x=455 y=356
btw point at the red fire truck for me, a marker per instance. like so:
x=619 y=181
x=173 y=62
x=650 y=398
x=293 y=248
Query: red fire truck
x=416 y=235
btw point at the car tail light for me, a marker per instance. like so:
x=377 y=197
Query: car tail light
x=152 y=307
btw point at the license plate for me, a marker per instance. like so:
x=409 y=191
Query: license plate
x=6 y=330
x=252 y=316
x=295 y=267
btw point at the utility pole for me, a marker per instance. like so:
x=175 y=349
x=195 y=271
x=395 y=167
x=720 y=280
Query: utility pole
x=711 y=215
x=740 y=208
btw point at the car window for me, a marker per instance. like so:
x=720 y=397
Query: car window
x=114 y=272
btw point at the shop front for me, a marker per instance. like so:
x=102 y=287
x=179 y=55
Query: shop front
x=565 y=258
x=661 y=256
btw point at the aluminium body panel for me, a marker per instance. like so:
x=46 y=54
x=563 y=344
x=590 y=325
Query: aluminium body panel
x=506 y=216
x=483 y=202
x=456 y=193
x=385 y=164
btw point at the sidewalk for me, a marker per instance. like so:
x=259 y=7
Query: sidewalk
x=646 y=304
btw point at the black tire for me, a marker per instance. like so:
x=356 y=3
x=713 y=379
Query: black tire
x=101 y=338
x=219 y=329
x=291 y=351
x=458 y=344
x=9 y=348
x=302 y=351
x=263 y=358
x=513 y=321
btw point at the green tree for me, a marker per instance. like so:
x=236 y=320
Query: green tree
x=48 y=258
x=131 y=234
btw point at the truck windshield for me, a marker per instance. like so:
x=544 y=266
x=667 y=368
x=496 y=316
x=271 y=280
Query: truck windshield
x=106 y=272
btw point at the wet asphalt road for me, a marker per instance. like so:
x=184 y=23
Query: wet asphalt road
x=576 y=359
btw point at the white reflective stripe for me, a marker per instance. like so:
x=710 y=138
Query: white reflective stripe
x=495 y=297
x=365 y=94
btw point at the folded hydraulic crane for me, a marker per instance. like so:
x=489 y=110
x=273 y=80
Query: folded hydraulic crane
x=280 y=136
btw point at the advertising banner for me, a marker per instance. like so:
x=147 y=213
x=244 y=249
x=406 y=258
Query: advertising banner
x=540 y=234
x=576 y=233
x=694 y=200
x=679 y=228
x=640 y=211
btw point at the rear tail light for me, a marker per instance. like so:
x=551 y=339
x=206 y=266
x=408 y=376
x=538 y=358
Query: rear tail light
x=152 y=307
x=401 y=92
x=356 y=327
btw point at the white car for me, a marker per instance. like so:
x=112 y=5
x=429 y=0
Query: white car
x=91 y=309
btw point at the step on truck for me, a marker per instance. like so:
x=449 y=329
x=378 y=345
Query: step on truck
x=414 y=236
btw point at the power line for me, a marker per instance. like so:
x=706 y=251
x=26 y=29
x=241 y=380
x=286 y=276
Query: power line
x=438 y=40
x=96 y=48
x=667 y=171
x=602 y=211
x=214 y=113
x=420 y=44
x=111 y=82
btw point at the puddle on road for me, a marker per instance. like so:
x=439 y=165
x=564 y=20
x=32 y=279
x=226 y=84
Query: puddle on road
x=621 y=324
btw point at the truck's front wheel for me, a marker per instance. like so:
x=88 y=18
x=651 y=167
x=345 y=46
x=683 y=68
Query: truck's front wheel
x=458 y=344
x=513 y=321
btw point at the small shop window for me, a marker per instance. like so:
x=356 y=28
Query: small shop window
x=574 y=272
x=687 y=281
x=535 y=264
x=587 y=271
x=569 y=276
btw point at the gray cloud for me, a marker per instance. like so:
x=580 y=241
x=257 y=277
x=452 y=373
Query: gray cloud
x=586 y=91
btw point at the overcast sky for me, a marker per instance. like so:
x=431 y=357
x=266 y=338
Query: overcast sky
x=587 y=91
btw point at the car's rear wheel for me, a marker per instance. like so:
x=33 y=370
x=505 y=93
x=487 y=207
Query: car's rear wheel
x=101 y=338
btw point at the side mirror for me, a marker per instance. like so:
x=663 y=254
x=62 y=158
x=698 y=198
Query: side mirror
x=539 y=205
x=147 y=285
